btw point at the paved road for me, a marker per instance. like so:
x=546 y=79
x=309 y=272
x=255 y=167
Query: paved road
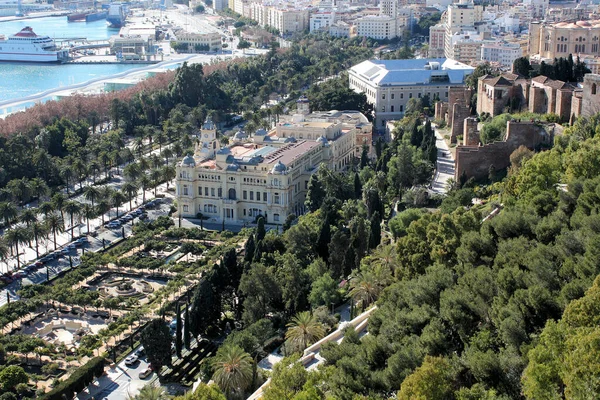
x=105 y=236
x=118 y=383
x=445 y=166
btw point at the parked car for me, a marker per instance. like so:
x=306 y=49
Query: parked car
x=145 y=373
x=141 y=352
x=131 y=360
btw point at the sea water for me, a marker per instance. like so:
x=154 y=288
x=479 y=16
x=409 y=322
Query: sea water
x=19 y=80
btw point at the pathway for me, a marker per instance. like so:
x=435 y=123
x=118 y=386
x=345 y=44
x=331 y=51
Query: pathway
x=445 y=165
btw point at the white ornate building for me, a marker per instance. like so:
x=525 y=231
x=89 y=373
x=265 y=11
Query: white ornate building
x=267 y=174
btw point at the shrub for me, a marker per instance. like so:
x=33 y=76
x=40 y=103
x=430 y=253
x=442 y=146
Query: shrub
x=81 y=378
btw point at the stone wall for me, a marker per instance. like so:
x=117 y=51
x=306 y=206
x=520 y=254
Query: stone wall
x=475 y=161
x=591 y=95
x=470 y=132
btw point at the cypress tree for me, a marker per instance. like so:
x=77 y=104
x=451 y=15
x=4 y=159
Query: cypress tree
x=186 y=328
x=357 y=187
x=260 y=229
x=375 y=234
x=323 y=240
x=249 y=248
x=178 y=343
x=315 y=194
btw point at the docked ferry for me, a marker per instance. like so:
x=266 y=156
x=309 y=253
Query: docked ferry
x=26 y=46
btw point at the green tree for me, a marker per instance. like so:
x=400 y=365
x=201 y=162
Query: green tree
x=432 y=380
x=315 y=194
x=205 y=312
x=232 y=370
x=187 y=333
x=156 y=339
x=178 y=331
x=150 y=392
x=288 y=379
x=304 y=330
x=12 y=376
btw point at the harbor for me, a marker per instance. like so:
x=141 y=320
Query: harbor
x=102 y=58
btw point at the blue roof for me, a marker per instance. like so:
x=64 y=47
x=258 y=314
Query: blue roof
x=413 y=72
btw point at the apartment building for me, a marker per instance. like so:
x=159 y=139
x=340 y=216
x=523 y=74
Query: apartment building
x=465 y=47
x=321 y=20
x=437 y=40
x=377 y=27
x=390 y=84
x=501 y=53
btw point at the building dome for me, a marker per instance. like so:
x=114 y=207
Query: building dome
x=279 y=168
x=322 y=140
x=260 y=132
x=188 y=161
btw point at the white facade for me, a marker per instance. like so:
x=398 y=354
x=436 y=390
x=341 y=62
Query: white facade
x=465 y=47
x=321 y=20
x=502 y=53
x=377 y=27
x=212 y=40
x=340 y=29
x=267 y=174
x=390 y=84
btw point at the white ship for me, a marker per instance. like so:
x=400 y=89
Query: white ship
x=29 y=47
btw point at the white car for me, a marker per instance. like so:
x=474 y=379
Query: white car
x=131 y=360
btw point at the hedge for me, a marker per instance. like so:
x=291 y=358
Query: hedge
x=78 y=381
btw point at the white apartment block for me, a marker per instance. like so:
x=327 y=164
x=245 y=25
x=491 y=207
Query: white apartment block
x=321 y=20
x=377 y=27
x=388 y=7
x=286 y=20
x=390 y=84
x=501 y=53
x=266 y=175
x=465 y=47
x=341 y=29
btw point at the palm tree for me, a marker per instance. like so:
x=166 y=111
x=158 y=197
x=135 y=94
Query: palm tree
x=386 y=256
x=117 y=199
x=91 y=194
x=150 y=392
x=304 y=330
x=130 y=190
x=67 y=173
x=38 y=230
x=102 y=208
x=58 y=201
x=132 y=171
x=28 y=216
x=155 y=176
x=88 y=212
x=15 y=237
x=20 y=190
x=39 y=188
x=9 y=212
x=167 y=154
x=168 y=173
x=81 y=171
x=55 y=224
x=138 y=146
x=4 y=251
x=145 y=183
x=72 y=208
x=365 y=287
x=46 y=208
x=94 y=168
x=233 y=369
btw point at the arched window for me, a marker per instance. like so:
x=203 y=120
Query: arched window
x=593 y=88
x=232 y=194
